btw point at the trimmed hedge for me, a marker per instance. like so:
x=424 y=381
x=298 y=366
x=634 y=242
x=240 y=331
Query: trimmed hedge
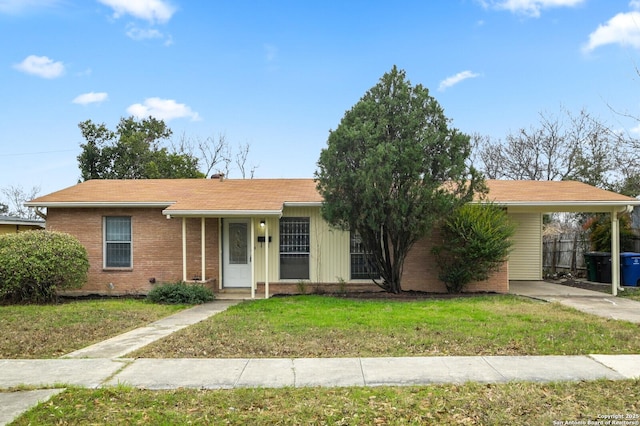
x=180 y=293
x=34 y=265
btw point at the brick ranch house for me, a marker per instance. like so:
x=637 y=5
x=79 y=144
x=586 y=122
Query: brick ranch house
x=266 y=236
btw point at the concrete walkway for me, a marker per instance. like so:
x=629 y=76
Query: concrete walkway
x=123 y=344
x=592 y=302
x=103 y=364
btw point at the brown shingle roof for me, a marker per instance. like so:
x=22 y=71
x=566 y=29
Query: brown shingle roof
x=508 y=191
x=269 y=195
x=188 y=194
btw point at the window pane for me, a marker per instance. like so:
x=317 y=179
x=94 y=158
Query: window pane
x=118 y=255
x=238 y=243
x=118 y=228
x=294 y=266
x=362 y=266
x=294 y=248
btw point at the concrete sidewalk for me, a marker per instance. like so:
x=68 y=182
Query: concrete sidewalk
x=232 y=373
x=158 y=374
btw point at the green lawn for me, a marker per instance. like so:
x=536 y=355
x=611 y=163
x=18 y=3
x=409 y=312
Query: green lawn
x=323 y=326
x=631 y=293
x=468 y=404
x=50 y=331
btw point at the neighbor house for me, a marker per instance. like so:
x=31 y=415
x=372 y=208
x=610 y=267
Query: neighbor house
x=266 y=236
x=13 y=224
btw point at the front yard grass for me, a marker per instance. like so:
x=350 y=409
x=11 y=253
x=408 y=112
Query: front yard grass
x=631 y=293
x=50 y=331
x=322 y=326
x=470 y=403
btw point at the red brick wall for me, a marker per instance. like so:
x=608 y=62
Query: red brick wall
x=421 y=272
x=157 y=247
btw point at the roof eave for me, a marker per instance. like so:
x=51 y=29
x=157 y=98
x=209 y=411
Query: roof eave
x=569 y=206
x=303 y=203
x=100 y=204
x=221 y=213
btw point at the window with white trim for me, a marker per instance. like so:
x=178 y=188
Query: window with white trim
x=117 y=242
x=294 y=248
x=362 y=265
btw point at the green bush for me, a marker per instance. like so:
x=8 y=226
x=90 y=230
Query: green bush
x=475 y=242
x=180 y=293
x=599 y=227
x=34 y=265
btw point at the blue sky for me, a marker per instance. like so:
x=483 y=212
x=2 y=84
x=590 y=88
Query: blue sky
x=279 y=75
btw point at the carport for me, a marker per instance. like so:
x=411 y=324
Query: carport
x=526 y=203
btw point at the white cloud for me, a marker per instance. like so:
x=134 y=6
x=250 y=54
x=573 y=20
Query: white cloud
x=149 y=10
x=623 y=29
x=163 y=109
x=143 y=34
x=455 y=79
x=529 y=7
x=90 y=98
x=41 y=66
x=138 y=34
x=14 y=7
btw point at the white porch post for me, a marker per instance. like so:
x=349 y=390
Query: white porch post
x=266 y=259
x=253 y=253
x=615 y=253
x=202 y=249
x=184 y=249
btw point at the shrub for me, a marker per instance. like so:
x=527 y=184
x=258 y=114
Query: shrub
x=599 y=227
x=180 y=293
x=476 y=242
x=34 y=265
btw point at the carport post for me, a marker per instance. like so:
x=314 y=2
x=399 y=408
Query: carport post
x=615 y=253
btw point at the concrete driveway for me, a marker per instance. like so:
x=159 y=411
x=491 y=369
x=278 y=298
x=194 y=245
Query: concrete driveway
x=592 y=302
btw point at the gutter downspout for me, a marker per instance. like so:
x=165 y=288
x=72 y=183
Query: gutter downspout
x=184 y=249
x=203 y=248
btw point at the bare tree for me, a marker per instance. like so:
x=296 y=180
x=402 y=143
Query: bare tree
x=215 y=155
x=16 y=196
x=213 y=152
x=241 y=161
x=574 y=146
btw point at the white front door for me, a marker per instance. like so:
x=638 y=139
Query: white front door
x=236 y=266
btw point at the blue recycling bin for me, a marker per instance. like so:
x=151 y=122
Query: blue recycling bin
x=630 y=268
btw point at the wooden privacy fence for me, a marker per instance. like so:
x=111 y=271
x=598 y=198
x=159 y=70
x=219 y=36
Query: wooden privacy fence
x=564 y=253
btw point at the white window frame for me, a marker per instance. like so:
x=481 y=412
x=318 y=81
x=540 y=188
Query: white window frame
x=105 y=243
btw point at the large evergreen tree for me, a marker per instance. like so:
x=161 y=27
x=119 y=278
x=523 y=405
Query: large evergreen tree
x=391 y=169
